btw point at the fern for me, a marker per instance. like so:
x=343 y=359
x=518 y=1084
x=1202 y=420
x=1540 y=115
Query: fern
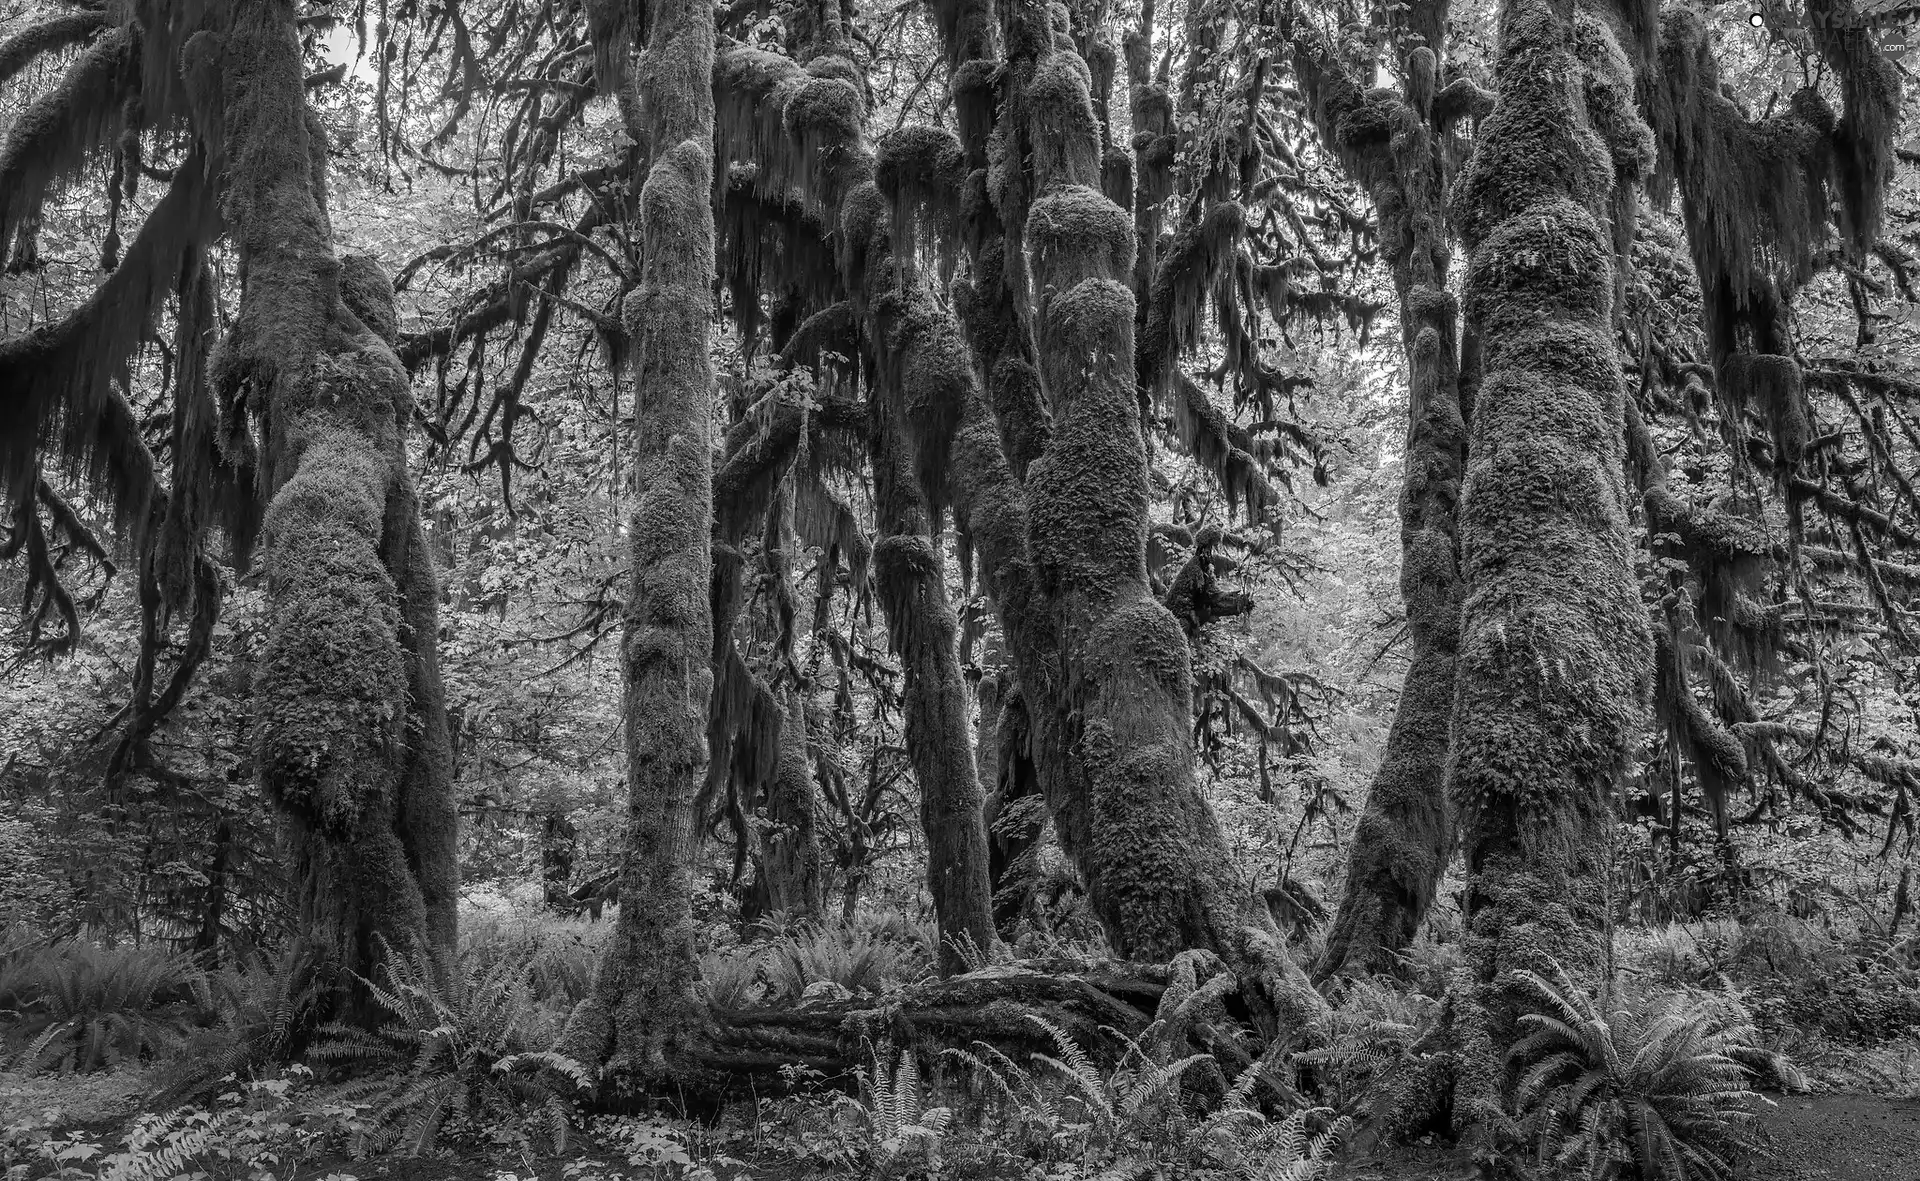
x=265 y=1010
x=84 y=1007
x=896 y=1113
x=1656 y=1090
x=466 y=1049
x=1369 y=1058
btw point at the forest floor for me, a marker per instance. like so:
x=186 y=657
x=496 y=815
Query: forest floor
x=1841 y=1138
x=1834 y=1137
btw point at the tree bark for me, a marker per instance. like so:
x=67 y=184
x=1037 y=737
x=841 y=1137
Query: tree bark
x=1554 y=663
x=350 y=715
x=645 y=1007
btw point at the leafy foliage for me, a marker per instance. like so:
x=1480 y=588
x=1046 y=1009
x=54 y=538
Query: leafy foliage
x=859 y=960
x=1369 y=1059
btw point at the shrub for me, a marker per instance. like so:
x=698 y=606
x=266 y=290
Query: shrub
x=894 y=1110
x=82 y=1007
x=733 y=979
x=1658 y=1089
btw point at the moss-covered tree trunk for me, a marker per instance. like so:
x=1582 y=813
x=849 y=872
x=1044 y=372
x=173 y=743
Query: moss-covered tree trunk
x=1392 y=144
x=1554 y=662
x=351 y=719
x=910 y=576
x=1049 y=480
x=917 y=371
x=644 y=1003
x=1158 y=869
x=790 y=848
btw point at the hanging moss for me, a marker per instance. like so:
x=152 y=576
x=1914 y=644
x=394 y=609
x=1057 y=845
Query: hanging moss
x=1063 y=134
x=1223 y=448
x=922 y=173
x=1716 y=754
x=1755 y=193
x=51 y=140
x=48 y=36
x=1187 y=274
x=1771 y=385
x=1863 y=139
x=59 y=376
x=920 y=380
x=610 y=30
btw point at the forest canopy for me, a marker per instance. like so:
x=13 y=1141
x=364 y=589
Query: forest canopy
x=981 y=587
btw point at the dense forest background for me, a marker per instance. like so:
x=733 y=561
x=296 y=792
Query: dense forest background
x=1245 y=589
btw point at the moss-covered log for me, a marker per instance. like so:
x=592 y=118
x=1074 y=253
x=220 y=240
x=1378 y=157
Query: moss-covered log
x=350 y=718
x=645 y=1007
x=1554 y=663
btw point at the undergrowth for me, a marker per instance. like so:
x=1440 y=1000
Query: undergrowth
x=473 y=1049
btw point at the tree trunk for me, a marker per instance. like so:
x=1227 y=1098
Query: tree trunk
x=1057 y=509
x=644 y=1005
x=1401 y=844
x=1554 y=662
x=1014 y=810
x=350 y=715
x=790 y=852
x=910 y=576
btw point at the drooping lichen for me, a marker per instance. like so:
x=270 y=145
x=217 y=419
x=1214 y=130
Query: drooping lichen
x=52 y=138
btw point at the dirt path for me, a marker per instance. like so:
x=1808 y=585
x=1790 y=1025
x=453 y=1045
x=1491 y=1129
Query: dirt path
x=1841 y=1138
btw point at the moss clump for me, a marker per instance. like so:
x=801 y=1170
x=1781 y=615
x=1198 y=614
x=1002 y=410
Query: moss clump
x=1772 y=386
x=920 y=162
x=1536 y=148
x=368 y=294
x=331 y=698
x=1608 y=85
x=1075 y=233
x=1061 y=128
x=824 y=118
x=1554 y=262
x=922 y=171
